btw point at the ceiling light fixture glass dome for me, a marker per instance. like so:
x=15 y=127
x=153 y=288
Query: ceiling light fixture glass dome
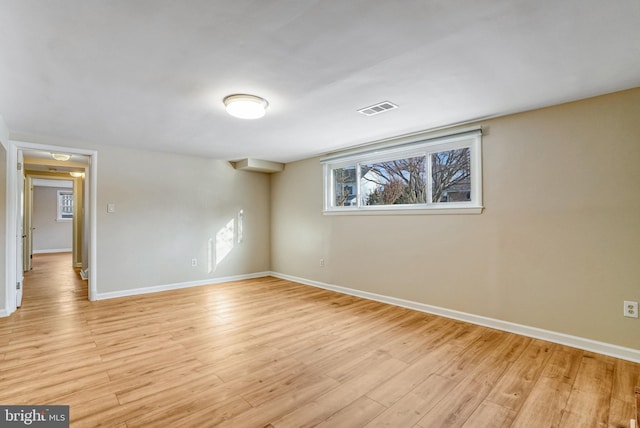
x=246 y=106
x=61 y=156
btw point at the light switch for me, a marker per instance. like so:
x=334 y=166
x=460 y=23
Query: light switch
x=111 y=208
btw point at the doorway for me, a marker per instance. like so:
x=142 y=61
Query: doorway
x=50 y=226
x=37 y=162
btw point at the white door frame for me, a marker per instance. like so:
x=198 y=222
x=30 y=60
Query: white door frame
x=20 y=233
x=12 y=215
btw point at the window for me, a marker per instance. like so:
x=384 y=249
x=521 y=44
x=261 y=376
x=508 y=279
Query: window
x=344 y=180
x=440 y=174
x=65 y=205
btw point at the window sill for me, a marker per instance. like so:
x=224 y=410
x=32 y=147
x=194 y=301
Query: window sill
x=406 y=211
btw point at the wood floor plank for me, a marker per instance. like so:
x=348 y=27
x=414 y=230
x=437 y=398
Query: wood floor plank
x=626 y=377
x=547 y=399
x=403 y=383
x=516 y=384
x=48 y=391
x=545 y=404
x=284 y=385
x=268 y=352
x=489 y=414
x=82 y=405
x=411 y=344
x=212 y=413
x=156 y=381
x=261 y=416
x=352 y=388
x=474 y=384
x=356 y=414
x=591 y=393
x=455 y=408
x=410 y=408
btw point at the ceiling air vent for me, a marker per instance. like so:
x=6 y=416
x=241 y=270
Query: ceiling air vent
x=377 y=108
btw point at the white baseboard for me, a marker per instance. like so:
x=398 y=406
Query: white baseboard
x=54 y=250
x=176 y=286
x=524 y=330
x=3 y=313
x=534 y=332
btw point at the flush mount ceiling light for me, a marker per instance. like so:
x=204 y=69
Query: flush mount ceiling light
x=245 y=106
x=60 y=156
x=76 y=174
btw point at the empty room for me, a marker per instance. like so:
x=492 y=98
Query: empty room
x=319 y=214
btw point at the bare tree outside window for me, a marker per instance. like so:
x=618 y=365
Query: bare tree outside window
x=451 y=176
x=394 y=182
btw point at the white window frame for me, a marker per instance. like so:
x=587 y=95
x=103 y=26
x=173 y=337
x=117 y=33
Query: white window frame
x=59 y=200
x=402 y=148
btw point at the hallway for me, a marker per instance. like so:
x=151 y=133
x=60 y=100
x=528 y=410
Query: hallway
x=52 y=280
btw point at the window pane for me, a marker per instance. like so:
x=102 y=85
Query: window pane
x=344 y=183
x=451 y=175
x=395 y=182
x=65 y=205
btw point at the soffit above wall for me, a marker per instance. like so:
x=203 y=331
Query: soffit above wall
x=257 y=165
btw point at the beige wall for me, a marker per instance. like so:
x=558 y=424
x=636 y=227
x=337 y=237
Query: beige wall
x=557 y=246
x=49 y=233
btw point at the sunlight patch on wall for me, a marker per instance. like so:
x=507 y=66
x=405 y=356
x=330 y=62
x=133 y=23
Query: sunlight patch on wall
x=224 y=241
x=227 y=237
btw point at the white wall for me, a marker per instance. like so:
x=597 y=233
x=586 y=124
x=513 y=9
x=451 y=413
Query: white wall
x=4 y=140
x=49 y=234
x=167 y=207
x=4 y=133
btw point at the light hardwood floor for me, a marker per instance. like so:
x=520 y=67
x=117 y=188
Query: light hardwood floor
x=272 y=353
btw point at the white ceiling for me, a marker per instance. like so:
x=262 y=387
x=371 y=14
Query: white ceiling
x=152 y=73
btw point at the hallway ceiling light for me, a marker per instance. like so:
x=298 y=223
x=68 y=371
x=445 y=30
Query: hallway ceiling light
x=60 y=156
x=76 y=174
x=245 y=106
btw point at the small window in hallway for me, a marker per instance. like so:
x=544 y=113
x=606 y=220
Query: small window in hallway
x=65 y=205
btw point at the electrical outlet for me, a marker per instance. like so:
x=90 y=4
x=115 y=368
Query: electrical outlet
x=321 y=262
x=194 y=262
x=630 y=309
